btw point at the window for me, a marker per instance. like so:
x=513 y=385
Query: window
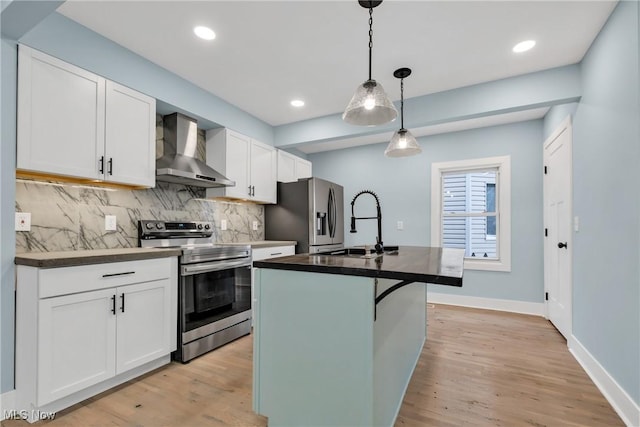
x=470 y=209
x=490 y=189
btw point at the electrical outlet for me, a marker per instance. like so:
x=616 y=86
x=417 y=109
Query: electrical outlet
x=223 y=224
x=23 y=221
x=400 y=225
x=110 y=223
x=255 y=225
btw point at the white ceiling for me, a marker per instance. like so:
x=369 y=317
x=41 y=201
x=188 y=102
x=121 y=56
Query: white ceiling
x=268 y=52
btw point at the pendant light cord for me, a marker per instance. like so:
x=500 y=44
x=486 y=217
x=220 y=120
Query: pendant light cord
x=370 y=38
x=401 y=103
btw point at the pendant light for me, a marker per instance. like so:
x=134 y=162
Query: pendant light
x=403 y=143
x=370 y=105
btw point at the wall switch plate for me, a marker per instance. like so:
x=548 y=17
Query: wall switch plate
x=223 y=224
x=400 y=225
x=23 y=221
x=110 y=223
x=255 y=225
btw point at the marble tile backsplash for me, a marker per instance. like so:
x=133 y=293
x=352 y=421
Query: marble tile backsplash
x=67 y=217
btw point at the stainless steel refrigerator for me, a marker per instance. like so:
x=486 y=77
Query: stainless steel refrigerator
x=309 y=211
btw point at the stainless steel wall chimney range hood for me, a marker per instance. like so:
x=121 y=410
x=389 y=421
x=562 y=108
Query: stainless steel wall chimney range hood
x=178 y=163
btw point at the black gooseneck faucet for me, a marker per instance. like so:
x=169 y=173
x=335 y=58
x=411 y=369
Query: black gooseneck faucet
x=379 y=246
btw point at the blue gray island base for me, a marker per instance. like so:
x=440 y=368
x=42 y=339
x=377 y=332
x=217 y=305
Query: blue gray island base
x=326 y=355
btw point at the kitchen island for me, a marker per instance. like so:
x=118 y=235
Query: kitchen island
x=337 y=337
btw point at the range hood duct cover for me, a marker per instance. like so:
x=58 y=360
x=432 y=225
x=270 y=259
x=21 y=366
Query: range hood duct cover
x=178 y=163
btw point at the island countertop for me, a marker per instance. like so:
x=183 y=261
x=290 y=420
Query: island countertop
x=412 y=263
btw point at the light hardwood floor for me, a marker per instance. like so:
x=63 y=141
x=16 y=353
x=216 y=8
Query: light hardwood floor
x=478 y=368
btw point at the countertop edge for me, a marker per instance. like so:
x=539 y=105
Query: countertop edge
x=89 y=259
x=348 y=271
x=258 y=244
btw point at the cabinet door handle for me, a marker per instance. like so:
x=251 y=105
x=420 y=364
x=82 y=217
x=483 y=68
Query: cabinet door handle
x=249 y=190
x=101 y=161
x=253 y=190
x=276 y=253
x=118 y=274
x=113 y=304
x=122 y=300
x=110 y=165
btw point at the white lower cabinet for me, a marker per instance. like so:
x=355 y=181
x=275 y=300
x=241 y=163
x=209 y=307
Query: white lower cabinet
x=77 y=343
x=143 y=326
x=258 y=254
x=81 y=330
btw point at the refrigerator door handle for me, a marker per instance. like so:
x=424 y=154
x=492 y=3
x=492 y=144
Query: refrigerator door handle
x=332 y=213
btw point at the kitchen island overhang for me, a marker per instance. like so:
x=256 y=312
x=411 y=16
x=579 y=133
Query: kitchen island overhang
x=442 y=266
x=325 y=353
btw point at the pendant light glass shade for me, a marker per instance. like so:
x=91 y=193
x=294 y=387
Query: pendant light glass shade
x=402 y=144
x=370 y=106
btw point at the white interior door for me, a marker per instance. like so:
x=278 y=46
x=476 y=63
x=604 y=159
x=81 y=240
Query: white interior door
x=558 y=219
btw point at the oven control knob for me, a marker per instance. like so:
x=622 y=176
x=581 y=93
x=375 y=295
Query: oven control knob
x=149 y=226
x=207 y=226
x=159 y=226
x=199 y=226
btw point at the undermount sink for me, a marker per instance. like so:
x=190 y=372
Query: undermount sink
x=359 y=252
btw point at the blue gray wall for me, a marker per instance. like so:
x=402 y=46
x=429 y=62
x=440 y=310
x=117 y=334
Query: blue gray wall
x=404 y=188
x=606 y=154
x=7 y=200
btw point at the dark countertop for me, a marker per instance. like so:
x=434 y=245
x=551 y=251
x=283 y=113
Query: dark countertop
x=95 y=256
x=414 y=263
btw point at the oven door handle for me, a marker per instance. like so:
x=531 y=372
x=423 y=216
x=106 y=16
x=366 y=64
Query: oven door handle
x=204 y=267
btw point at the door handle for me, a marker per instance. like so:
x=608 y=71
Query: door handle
x=113 y=304
x=562 y=245
x=101 y=170
x=122 y=298
x=110 y=162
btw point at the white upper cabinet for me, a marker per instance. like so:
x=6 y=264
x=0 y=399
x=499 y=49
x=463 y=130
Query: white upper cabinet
x=292 y=168
x=130 y=147
x=74 y=123
x=263 y=172
x=60 y=116
x=250 y=163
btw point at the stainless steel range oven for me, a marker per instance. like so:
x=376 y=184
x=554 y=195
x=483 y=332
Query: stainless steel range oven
x=214 y=290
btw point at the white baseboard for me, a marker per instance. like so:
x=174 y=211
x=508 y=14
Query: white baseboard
x=7 y=403
x=513 y=306
x=621 y=402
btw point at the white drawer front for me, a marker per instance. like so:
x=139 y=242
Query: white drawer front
x=70 y=280
x=273 y=252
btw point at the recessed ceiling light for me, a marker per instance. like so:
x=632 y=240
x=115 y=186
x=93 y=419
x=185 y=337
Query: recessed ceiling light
x=524 y=46
x=297 y=103
x=204 y=33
